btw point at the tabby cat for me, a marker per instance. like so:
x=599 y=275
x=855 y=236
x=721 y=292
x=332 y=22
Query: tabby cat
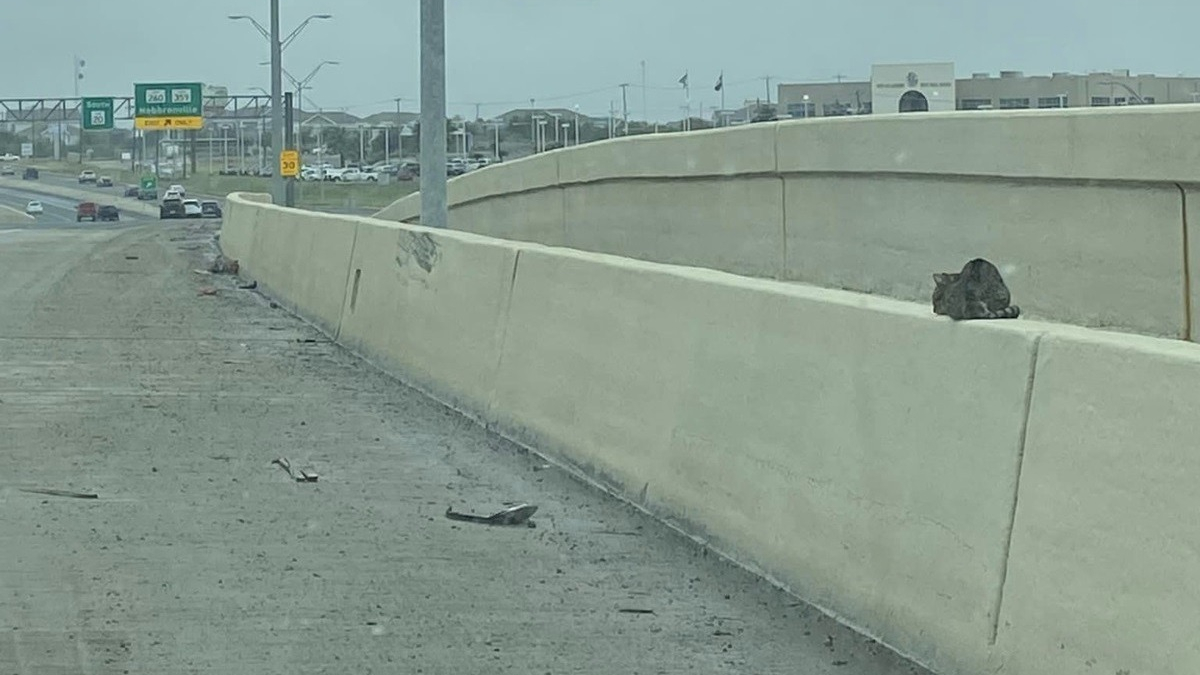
x=977 y=292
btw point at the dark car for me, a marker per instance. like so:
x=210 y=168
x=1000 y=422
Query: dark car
x=108 y=212
x=132 y=191
x=30 y=174
x=85 y=210
x=171 y=208
x=210 y=209
x=147 y=195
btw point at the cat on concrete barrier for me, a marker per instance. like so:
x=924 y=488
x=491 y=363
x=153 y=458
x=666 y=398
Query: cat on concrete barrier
x=977 y=292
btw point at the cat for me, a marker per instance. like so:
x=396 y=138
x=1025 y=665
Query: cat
x=977 y=292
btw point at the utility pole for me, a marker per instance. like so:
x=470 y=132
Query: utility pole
x=532 y=126
x=290 y=142
x=477 y=111
x=433 y=113
x=625 y=108
x=645 y=111
x=768 y=80
x=278 y=191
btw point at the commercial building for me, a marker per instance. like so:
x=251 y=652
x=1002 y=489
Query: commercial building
x=918 y=87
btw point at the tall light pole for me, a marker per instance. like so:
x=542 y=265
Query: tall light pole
x=433 y=113
x=278 y=184
x=300 y=86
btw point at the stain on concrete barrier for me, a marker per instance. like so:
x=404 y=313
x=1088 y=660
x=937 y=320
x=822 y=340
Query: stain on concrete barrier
x=418 y=248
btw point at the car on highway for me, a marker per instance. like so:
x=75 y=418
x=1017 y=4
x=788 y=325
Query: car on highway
x=132 y=191
x=86 y=210
x=30 y=174
x=104 y=181
x=8 y=170
x=87 y=176
x=108 y=212
x=8 y=157
x=171 y=208
x=210 y=209
x=34 y=207
x=177 y=188
x=147 y=194
x=192 y=209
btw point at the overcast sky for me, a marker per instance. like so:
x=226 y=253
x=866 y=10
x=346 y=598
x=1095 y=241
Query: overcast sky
x=565 y=52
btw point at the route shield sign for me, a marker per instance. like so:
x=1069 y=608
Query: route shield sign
x=289 y=163
x=97 y=113
x=168 y=105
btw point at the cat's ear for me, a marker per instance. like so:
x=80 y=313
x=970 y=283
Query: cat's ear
x=940 y=279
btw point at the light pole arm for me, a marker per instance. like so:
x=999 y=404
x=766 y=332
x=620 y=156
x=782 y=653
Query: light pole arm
x=263 y=31
x=296 y=33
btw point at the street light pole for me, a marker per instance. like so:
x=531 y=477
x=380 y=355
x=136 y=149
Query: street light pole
x=433 y=113
x=278 y=195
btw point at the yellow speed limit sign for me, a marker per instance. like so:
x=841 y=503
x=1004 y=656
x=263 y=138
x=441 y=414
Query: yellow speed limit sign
x=289 y=163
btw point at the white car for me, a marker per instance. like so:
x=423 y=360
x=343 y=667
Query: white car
x=8 y=157
x=34 y=207
x=191 y=208
x=178 y=189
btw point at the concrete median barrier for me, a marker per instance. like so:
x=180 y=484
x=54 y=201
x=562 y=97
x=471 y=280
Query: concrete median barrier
x=429 y=306
x=1102 y=575
x=300 y=257
x=1103 y=256
x=855 y=448
x=983 y=496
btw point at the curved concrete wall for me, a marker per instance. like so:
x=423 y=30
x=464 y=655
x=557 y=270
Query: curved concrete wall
x=987 y=496
x=1083 y=209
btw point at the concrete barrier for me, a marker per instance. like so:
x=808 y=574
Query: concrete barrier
x=301 y=257
x=1082 y=206
x=837 y=441
x=429 y=306
x=1105 y=552
x=1106 y=256
x=241 y=216
x=983 y=496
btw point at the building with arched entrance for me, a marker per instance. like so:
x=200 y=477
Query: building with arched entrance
x=912 y=87
x=932 y=86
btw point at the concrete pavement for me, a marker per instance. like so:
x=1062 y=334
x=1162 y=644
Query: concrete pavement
x=118 y=379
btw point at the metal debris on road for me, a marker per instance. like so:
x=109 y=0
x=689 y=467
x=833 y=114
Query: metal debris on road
x=635 y=610
x=131 y=257
x=62 y=493
x=514 y=515
x=207 y=291
x=298 y=475
x=202 y=272
x=248 y=287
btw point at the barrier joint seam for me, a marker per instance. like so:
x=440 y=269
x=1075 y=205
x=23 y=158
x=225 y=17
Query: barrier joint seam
x=1012 y=515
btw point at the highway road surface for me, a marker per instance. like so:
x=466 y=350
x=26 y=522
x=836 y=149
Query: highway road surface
x=119 y=379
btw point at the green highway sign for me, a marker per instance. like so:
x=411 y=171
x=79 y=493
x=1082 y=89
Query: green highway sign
x=168 y=104
x=97 y=113
x=149 y=182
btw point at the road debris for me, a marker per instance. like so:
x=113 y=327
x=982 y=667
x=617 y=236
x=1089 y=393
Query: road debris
x=248 y=287
x=207 y=291
x=132 y=257
x=513 y=515
x=635 y=610
x=62 y=493
x=223 y=265
x=202 y=272
x=298 y=475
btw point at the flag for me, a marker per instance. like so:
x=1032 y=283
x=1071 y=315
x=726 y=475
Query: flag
x=720 y=82
x=683 y=80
